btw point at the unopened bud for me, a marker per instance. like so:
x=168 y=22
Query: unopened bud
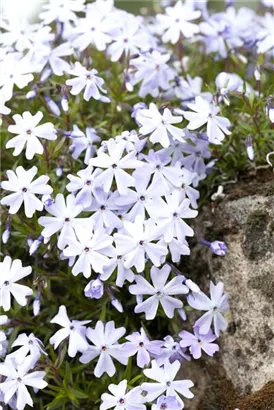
x=115 y=302
x=249 y=149
x=52 y=105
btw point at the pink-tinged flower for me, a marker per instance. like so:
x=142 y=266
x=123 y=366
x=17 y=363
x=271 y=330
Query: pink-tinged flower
x=206 y=113
x=28 y=133
x=165 y=383
x=88 y=80
x=161 y=292
x=136 y=244
x=17 y=378
x=115 y=165
x=139 y=343
x=159 y=126
x=11 y=272
x=215 y=306
x=74 y=330
x=20 y=182
x=104 y=339
x=198 y=342
x=122 y=400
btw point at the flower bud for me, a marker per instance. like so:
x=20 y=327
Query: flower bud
x=249 y=149
x=218 y=248
x=52 y=106
x=115 y=302
x=94 y=289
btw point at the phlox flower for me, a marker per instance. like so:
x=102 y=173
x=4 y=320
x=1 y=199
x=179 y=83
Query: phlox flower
x=167 y=403
x=94 y=289
x=28 y=133
x=11 y=272
x=104 y=338
x=172 y=224
x=122 y=400
x=178 y=21
x=153 y=71
x=29 y=345
x=14 y=71
x=84 y=142
x=74 y=330
x=165 y=383
x=206 y=113
x=54 y=60
x=215 y=306
x=127 y=39
x=122 y=273
x=191 y=193
x=115 y=164
x=137 y=243
x=20 y=182
x=17 y=378
x=160 y=292
x=198 y=342
x=83 y=185
x=172 y=351
x=93 y=248
x=61 y=10
x=139 y=343
x=265 y=37
x=159 y=126
x=63 y=219
x=88 y=80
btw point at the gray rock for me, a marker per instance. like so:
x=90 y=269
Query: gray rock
x=246 y=225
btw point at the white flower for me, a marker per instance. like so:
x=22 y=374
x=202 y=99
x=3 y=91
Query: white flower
x=14 y=71
x=164 y=378
x=115 y=165
x=160 y=292
x=20 y=182
x=88 y=80
x=104 y=338
x=93 y=29
x=137 y=243
x=93 y=249
x=206 y=113
x=61 y=10
x=159 y=126
x=63 y=219
x=122 y=273
x=74 y=330
x=57 y=64
x=172 y=222
x=29 y=344
x=122 y=400
x=266 y=36
x=17 y=378
x=215 y=306
x=83 y=185
x=28 y=133
x=84 y=142
x=128 y=38
x=177 y=22
x=11 y=272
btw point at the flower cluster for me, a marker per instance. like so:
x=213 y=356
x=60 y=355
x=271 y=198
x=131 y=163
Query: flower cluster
x=118 y=133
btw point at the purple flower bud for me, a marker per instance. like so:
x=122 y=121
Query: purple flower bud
x=52 y=106
x=249 y=149
x=59 y=171
x=45 y=74
x=115 y=302
x=36 y=245
x=31 y=95
x=94 y=289
x=64 y=103
x=47 y=200
x=6 y=234
x=257 y=74
x=36 y=304
x=219 y=248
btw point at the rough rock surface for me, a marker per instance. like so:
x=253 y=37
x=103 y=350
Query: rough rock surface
x=245 y=363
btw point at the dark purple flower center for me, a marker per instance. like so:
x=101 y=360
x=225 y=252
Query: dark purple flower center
x=24 y=190
x=67 y=219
